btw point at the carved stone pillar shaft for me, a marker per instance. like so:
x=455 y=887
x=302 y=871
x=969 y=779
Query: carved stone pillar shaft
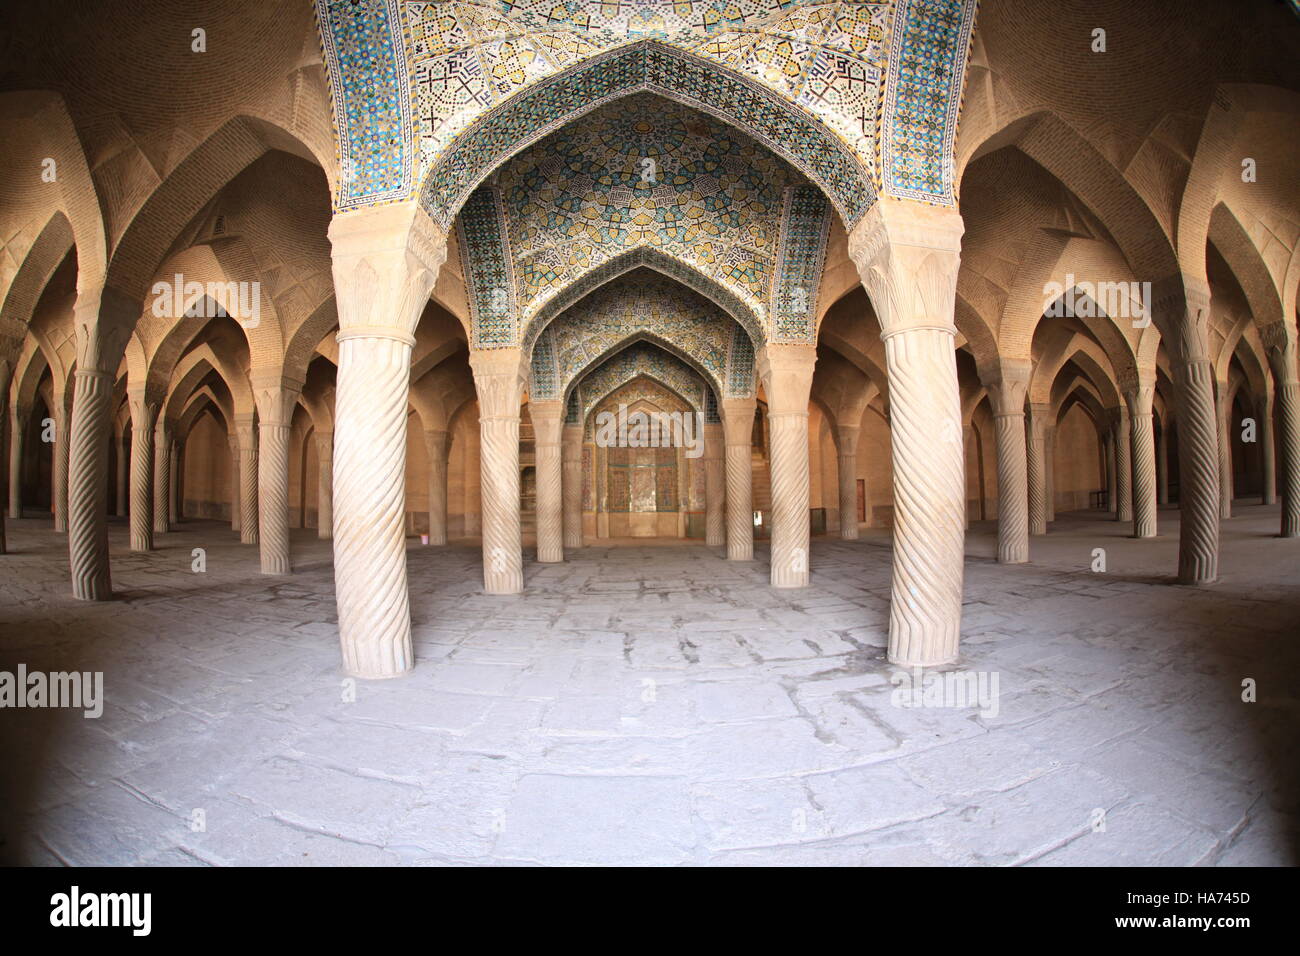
x=848 y=473
x=1139 y=395
x=142 y=430
x=386 y=261
x=17 y=431
x=787 y=372
x=1268 y=460
x=1123 y=465
x=548 y=425
x=325 y=485
x=276 y=398
x=87 y=484
x=715 y=486
x=1036 y=468
x=1007 y=388
x=174 y=487
x=232 y=438
x=573 y=537
x=908 y=256
x=1288 y=404
x=162 y=472
x=1198 y=439
x=1162 y=465
x=1223 y=419
x=62 y=450
x=248 y=468
x=738 y=429
x=498 y=383
x=1049 y=471
x=435 y=447
x=121 y=479
x=1280 y=345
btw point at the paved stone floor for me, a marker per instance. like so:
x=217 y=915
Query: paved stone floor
x=653 y=703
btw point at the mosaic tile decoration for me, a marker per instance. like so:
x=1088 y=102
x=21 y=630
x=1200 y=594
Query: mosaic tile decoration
x=429 y=96
x=927 y=74
x=639 y=360
x=651 y=258
x=641 y=305
x=644 y=172
x=805 y=226
x=488 y=271
x=805 y=75
x=369 y=84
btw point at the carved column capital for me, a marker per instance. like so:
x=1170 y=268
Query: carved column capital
x=908 y=255
x=1007 y=382
x=386 y=261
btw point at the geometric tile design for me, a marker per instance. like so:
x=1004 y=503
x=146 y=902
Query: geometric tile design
x=644 y=172
x=489 y=276
x=804 y=230
x=369 y=86
x=806 y=141
x=927 y=71
x=640 y=359
x=740 y=365
x=642 y=305
x=651 y=258
x=859 y=96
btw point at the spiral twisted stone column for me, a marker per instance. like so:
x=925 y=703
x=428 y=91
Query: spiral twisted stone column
x=248 y=468
x=142 y=425
x=1112 y=473
x=1162 y=465
x=273 y=496
x=1036 y=468
x=232 y=439
x=908 y=255
x=276 y=398
x=548 y=423
x=787 y=372
x=386 y=261
x=325 y=485
x=1123 y=465
x=1280 y=345
x=498 y=383
x=848 y=480
x=1288 y=402
x=1008 y=384
x=87 y=484
x=17 y=430
x=738 y=431
x=1188 y=306
x=162 y=474
x=1139 y=395
x=435 y=446
x=370 y=500
x=715 y=486
x=929 y=496
x=1268 y=461
x=573 y=537
x=1223 y=417
x=61 y=454
x=1049 y=471
x=174 y=489
x=122 y=477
